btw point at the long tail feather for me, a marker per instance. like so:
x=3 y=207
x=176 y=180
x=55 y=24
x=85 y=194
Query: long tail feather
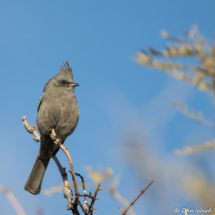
x=33 y=185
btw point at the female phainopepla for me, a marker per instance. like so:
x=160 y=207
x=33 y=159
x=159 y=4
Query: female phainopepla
x=57 y=109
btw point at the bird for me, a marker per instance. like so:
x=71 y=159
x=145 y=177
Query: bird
x=58 y=110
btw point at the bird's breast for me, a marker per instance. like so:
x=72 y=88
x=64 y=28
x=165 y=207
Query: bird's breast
x=58 y=110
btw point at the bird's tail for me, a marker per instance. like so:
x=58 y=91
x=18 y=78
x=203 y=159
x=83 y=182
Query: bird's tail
x=33 y=185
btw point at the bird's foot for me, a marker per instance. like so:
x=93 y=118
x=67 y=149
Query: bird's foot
x=58 y=143
x=57 y=140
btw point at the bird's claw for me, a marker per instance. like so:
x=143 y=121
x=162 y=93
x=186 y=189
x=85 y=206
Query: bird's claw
x=57 y=145
x=57 y=140
x=53 y=137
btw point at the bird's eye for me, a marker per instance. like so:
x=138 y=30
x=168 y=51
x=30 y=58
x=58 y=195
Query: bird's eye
x=63 y=82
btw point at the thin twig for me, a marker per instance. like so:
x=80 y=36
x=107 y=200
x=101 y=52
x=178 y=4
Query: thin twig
x=53 y=190
x=61 y=169
x=31 y=130
x=120 y=209
x=186 y=211
x=116 y=195
x=79 y=203
x=94 y=199
x=85 y=192
x=89 y=196
x=71 y=167
x=13 y=201
x=66 y=189
x=141 y=193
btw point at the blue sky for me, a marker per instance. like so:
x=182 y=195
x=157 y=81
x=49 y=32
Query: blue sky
x=98 y=39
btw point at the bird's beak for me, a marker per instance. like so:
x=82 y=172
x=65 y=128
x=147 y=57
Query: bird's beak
x=75 y=84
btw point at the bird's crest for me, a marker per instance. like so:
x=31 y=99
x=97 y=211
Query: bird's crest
x=66 y=68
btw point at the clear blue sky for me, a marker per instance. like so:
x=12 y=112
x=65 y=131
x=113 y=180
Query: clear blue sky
x=98 y=39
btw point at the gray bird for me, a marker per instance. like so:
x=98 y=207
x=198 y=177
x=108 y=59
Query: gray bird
x=58 y=109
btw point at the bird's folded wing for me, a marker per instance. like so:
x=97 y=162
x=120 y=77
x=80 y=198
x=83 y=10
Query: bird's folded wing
x=40 y=102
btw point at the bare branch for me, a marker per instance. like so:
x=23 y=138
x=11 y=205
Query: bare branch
x=141 y=193
x=116 y=195
x=13 y=201
x=31 y=130
x=120 y=209
x=71 y=170
x=57 y=189
x=85 y=192
x=94 y=199
x=66 y=188
x=61 y=169
x=186 y=211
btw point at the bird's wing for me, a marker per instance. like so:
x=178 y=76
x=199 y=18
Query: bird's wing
x=40 y=102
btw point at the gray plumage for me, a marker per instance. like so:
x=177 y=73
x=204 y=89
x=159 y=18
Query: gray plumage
x=57 y=109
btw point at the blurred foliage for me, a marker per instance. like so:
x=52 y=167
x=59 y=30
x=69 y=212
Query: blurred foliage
x=112 y=182
x=193 y=45
x=189 y=150
x=100 y=175
x=192 y=114
x=198 y=117
x=200 y=75
x=174 y=178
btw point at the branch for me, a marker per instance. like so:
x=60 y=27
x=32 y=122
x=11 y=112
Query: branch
x=85 y=192
x=186 y=211
x=57 y=189
x=61 y=169
x=11 y=198
x=66 y=188
x=116 y=195
x=94 y=199
x=106 y=175
x=71 y=170
x=132 y=203
x=31 y=130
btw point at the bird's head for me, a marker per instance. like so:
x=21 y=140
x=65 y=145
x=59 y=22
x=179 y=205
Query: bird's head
x=65 y=78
